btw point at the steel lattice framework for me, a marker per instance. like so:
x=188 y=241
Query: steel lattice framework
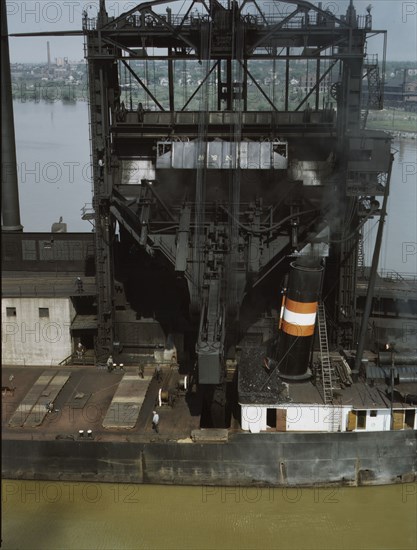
x=235 y=176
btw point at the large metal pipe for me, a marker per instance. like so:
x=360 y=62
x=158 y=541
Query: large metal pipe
x=9 y=185
x=388 y=357
x=298 y=320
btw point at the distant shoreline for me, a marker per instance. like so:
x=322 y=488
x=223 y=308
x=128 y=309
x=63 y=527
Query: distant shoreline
x=398 y=134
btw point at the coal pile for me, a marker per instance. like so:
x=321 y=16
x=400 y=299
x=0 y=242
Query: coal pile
x=259 y=381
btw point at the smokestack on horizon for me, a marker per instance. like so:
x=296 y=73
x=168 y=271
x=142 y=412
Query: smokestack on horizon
x=48 y=53
x=9 y=184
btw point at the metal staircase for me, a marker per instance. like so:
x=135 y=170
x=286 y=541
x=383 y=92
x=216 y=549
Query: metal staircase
x=361 y=257
x=375 y=95
x=328 y=374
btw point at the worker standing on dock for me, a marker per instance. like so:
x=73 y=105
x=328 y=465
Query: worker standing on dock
x=158 y=373
x=80 y=352
x=141 y=113
x=110 y=363
x=155 y=421
x=79 y=284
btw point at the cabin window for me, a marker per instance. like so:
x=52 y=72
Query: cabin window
x=374 y=413
x=410 y=415
x=361 y=416
x=10 y=312
x=44 y=312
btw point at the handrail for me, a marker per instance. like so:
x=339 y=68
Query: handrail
x=392 y=275
x=66 y=361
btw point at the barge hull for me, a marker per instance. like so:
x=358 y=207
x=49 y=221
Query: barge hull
x=276 y=460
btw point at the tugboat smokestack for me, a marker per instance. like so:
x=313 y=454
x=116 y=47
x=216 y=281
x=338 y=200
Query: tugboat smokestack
x=298 y=321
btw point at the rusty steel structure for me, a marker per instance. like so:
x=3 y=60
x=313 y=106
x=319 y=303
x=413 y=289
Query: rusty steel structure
x=205 y=193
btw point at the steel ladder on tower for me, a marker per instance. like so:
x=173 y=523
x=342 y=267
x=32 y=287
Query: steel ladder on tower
x=327 y=372
x=361 y=257
x=375 y=94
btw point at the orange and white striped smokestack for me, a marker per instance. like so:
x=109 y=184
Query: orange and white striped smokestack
x=298 y=320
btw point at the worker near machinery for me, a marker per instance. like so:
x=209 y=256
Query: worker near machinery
x=158 y=373
x=80 y=351
x=79 y=283
x=269 y=365
x=141 y=371
x=101 y=167
x=155 y=421
x=141 y=113
x=110 y=363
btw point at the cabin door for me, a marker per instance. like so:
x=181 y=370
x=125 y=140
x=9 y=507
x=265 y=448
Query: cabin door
x=281 y=420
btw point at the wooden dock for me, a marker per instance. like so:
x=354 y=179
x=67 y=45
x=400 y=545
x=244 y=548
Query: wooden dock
x=33 y=408
x=127 y=402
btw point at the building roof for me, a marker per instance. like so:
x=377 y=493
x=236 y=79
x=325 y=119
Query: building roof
x=30 y=285
x=84 y=322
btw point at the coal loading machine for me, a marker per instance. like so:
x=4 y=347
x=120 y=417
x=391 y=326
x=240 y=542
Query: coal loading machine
x=229 y=149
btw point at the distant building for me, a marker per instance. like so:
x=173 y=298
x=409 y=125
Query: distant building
x=61 y=61
x=410 y=92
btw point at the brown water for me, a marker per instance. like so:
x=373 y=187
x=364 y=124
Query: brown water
x=60 y=515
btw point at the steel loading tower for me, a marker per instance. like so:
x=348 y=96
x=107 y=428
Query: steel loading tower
x=225 y=142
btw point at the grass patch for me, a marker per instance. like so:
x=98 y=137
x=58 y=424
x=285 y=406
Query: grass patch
x=393 y=120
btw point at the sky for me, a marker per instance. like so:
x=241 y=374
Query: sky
x=398 y=17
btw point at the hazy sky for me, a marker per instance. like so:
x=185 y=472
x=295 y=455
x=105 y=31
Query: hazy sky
x=398 y=17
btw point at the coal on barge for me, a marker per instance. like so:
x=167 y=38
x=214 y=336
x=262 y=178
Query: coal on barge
x=224 y=284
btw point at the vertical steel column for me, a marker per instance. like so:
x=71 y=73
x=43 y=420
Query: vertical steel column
x=229 y=102
x=9 y=184
x=171 y=81
x=287 y=78
x=245 y=85
x=318 y=83
x=373 y=273
x=102 y=94
x=219 y=85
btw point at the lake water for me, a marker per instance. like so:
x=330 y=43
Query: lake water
x=53 y=157
x=59 y=515
x=53 y=153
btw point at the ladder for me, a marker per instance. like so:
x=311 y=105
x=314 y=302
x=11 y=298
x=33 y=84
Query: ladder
x=375 y=95
x=361 y=257
x=327 y=372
